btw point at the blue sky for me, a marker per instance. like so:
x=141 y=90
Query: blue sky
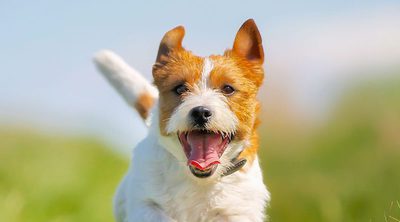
x=48 y=80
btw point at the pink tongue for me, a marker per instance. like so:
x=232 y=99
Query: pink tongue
x=204 y=149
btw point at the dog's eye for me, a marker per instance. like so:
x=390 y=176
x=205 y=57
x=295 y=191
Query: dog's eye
x=180 y=89
x=228 y=90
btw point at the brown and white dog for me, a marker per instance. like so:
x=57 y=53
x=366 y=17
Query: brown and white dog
x=199 y=160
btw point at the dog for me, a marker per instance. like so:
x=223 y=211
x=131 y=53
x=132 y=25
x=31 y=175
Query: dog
x=199 y=160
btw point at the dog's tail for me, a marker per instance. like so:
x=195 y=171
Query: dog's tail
x=130 y=84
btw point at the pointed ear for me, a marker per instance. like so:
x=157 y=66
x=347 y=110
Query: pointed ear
x=248 y=43
x=172 y=40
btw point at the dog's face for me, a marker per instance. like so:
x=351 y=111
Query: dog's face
x=208 y=105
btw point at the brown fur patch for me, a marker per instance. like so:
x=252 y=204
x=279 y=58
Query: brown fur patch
x=144 y=104
x=245 y=77
x=250 y=152
x=182 y=67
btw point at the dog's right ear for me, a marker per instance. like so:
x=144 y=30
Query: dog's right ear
x=248 y=43
x=172 y=40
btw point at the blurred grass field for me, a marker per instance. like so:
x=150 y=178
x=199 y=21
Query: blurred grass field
x=347 y=169
x=44 y=178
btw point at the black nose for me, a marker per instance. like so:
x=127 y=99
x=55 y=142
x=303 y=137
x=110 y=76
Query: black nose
x=200 y=115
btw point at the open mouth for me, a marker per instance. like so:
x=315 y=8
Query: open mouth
x=203 y=150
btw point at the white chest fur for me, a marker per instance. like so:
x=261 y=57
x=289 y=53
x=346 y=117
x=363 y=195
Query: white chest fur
x=156 y=180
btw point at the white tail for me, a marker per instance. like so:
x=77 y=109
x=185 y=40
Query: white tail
x=130 y=84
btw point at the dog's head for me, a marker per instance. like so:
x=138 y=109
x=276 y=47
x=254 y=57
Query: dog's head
x=208 y=105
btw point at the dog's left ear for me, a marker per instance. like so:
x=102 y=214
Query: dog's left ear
x=248 y=43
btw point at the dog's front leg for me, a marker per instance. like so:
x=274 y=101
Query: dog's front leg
x=148 y=212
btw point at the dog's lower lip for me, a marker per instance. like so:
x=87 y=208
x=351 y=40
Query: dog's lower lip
x=202 y=173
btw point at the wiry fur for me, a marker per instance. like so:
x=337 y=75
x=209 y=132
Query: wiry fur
x=159 y=186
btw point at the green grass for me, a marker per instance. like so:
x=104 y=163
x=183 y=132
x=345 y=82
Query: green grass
x=346 y=170
x=46 y=178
